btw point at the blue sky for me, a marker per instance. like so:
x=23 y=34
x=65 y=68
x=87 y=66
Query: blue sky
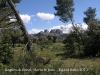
x=38 y=15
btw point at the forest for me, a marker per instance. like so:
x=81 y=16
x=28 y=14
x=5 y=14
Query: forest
x=76 y=53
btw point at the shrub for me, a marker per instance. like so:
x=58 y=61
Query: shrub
x=6 y=54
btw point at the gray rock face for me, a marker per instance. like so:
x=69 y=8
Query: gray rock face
x=57 y=31
x=46 y=31
x=53 y=31
x=40 y=33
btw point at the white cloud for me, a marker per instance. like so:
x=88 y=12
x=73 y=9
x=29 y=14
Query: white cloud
x=25 y=17
x=45 y=16
x=13 y=20
x=34 y=31
x=65 y=28
x=84 y=26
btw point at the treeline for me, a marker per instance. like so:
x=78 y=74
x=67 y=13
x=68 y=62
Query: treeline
x=49 y=39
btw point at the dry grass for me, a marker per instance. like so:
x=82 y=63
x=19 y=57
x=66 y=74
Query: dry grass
x=78 y=63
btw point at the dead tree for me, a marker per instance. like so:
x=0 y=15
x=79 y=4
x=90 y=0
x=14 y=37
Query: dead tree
x=23 y=28
x=32 y=53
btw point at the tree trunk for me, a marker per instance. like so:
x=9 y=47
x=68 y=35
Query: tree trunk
x=26 y=35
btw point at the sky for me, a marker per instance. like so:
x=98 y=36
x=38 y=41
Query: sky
x=38 y=15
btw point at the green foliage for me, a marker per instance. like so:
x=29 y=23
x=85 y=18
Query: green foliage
x=34 y=39
x=92 y=47
x=16 y=36
x=42 y=40
x=81 y=42
x=7 y=15
x=52 y=38
x=7 y=26
x=57 y=47
x=74 y=42
x=16 y=1
x=69 y=44
x=64 y=10
x=90 y=14
x=11 y=36
x=77 y=43
x=6 y=54
x=6 y=38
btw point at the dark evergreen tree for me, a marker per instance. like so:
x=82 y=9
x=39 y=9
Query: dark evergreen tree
x=92 y=45
x=6 y=54
x=64 y=10
x=90 y=14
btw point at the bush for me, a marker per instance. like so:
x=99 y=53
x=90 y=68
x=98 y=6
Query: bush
x=6 y=54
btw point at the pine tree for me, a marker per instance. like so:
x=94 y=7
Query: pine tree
x=64 y=10
x=90 y=14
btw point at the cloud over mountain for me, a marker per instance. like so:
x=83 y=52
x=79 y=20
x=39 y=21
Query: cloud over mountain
x=67 y=28
x=64 y=28
x=34 y=31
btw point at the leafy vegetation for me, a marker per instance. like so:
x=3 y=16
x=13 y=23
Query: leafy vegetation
x=6 y=54
x=79 y=41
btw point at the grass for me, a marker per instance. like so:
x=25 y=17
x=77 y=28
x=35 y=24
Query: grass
x=90 y=66
x=65 y=66
x=85 y=63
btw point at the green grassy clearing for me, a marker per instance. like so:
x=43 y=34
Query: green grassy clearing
x=65 y=66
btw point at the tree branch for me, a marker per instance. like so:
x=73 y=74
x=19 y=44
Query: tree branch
x=6 y=16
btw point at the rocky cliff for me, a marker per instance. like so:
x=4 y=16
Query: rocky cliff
x=46 y=32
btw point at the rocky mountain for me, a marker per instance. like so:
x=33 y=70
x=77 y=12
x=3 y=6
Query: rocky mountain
x=57 y=31
x=46 y=32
